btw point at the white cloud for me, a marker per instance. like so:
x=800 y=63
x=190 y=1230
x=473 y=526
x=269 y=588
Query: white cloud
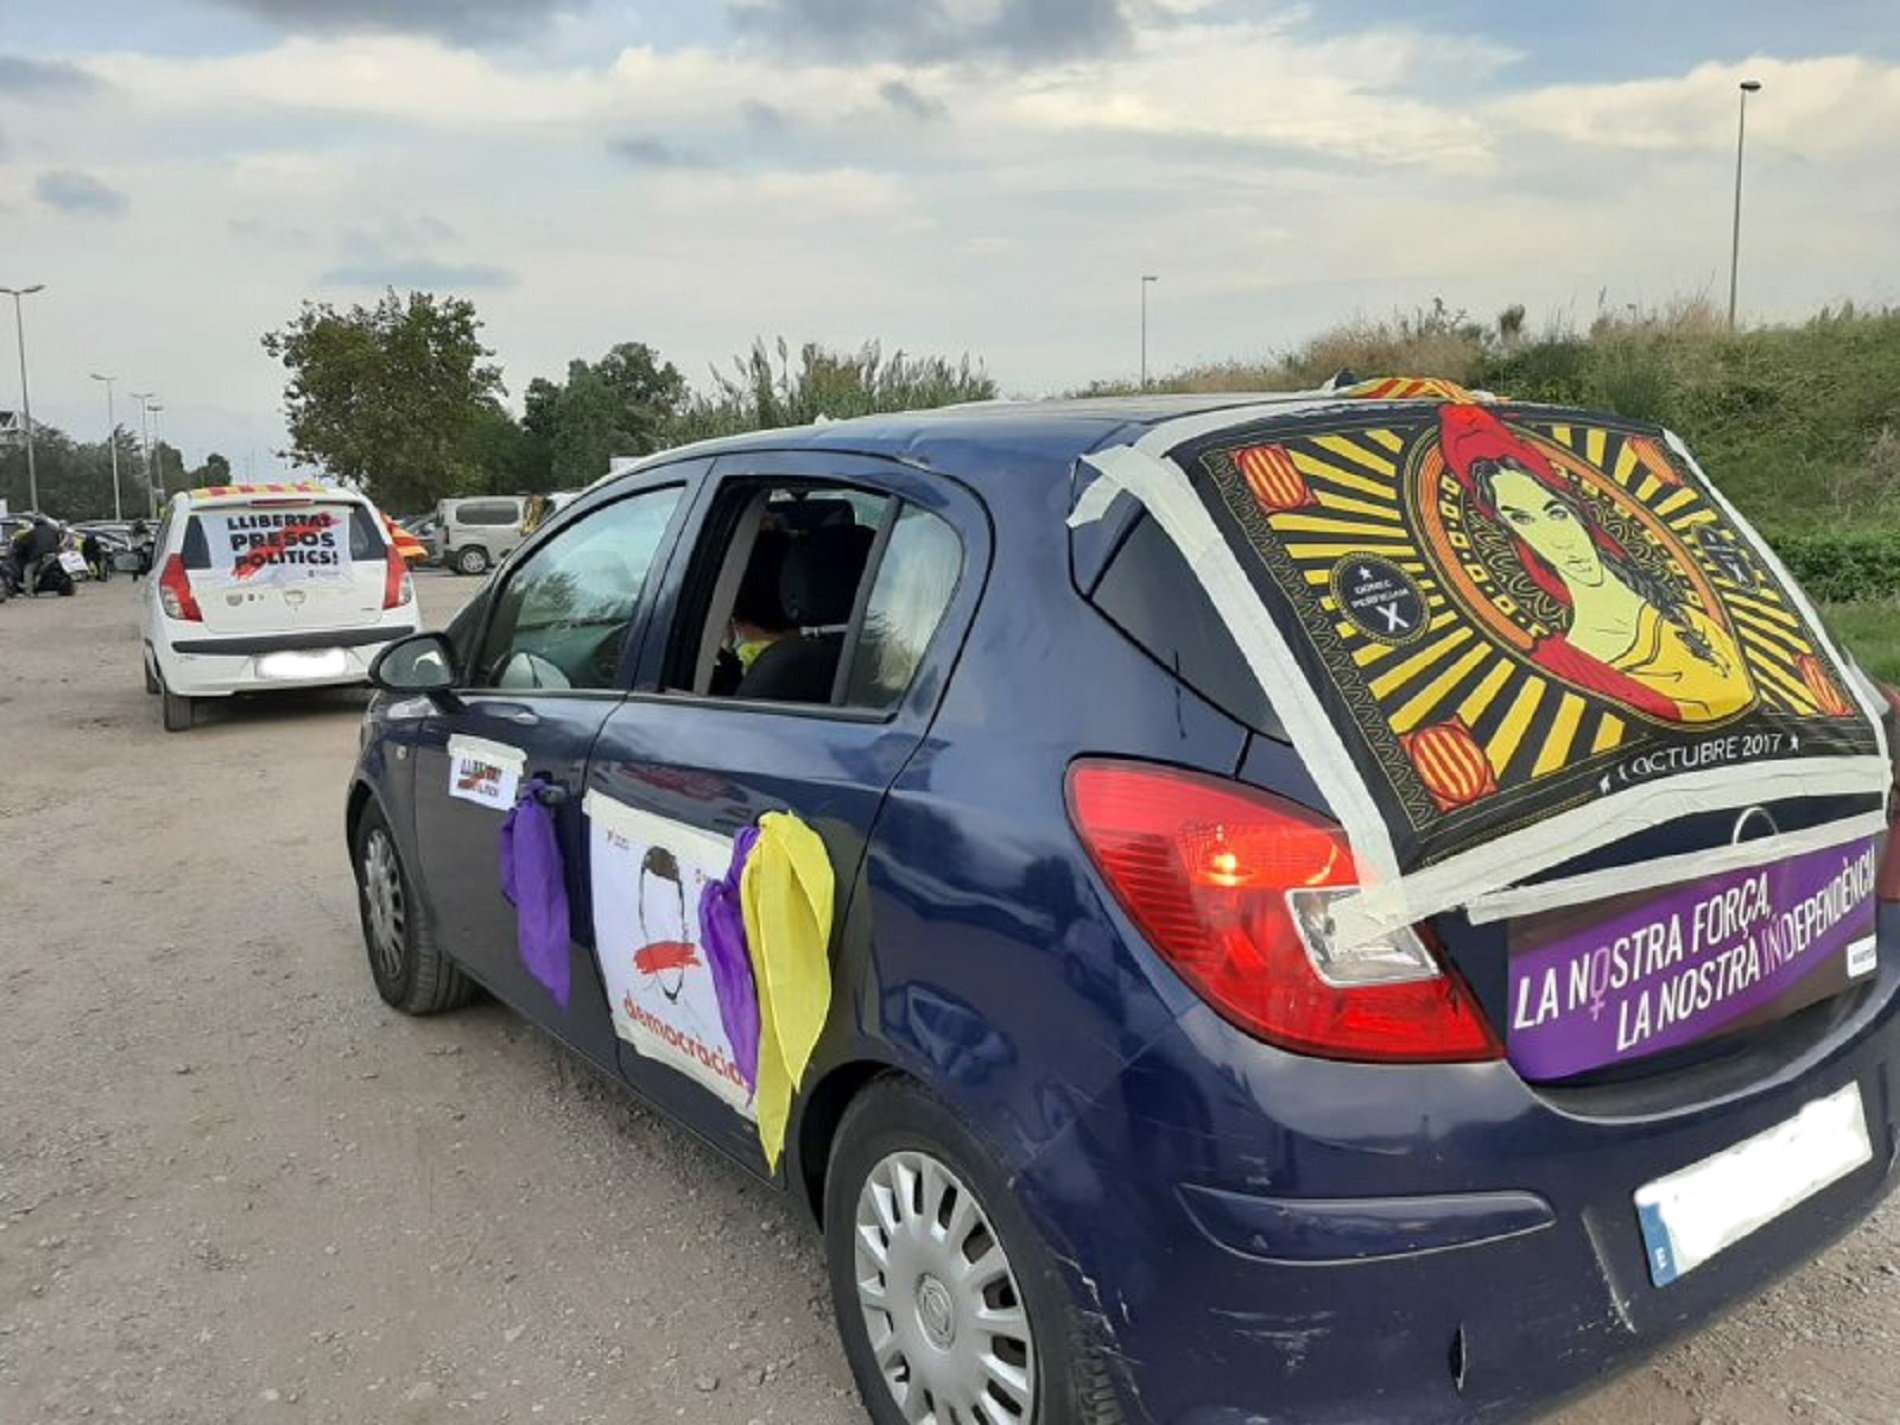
x=1276 y=180
x=1819 y=107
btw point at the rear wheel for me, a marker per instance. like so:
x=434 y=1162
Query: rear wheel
x=947 y=1299
x=175 y=711
x=410 y=973
x=473 y=560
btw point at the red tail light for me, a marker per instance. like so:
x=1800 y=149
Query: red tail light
x=174 y=592
x=1232 y=886
x=398 y=587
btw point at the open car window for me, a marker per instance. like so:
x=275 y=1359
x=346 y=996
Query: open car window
x=813 y=595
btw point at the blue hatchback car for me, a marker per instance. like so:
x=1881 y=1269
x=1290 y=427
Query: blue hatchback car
x=1366 y=905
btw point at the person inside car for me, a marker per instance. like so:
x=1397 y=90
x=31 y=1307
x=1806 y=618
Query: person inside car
x=758 y=616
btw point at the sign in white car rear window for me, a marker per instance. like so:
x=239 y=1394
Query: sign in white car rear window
x=259 y=547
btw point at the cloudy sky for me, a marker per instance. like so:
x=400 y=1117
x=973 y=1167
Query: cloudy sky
x=949 y=175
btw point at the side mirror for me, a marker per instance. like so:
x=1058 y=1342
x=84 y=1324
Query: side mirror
x=421 y=663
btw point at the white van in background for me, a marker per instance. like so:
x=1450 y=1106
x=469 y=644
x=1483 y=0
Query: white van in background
x=476 y=532
x=257 y=588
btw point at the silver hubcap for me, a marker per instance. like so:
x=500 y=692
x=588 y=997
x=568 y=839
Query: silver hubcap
x=945 y=1319
x=382 y=893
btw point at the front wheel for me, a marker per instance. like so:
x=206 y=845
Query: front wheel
x=473 y=560
x=410 y=973
x=948 y=1301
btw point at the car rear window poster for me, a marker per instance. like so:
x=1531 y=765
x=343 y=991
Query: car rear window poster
x=1503 y=620
x=260 y=547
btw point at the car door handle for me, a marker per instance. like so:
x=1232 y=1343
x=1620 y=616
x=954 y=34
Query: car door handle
x=512 y=712
x=550 y=794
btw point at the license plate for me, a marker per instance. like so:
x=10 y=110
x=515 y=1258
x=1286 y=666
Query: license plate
x=1707 y=1207
x=322 y=663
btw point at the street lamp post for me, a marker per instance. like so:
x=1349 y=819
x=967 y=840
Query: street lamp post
x=1147 y=281
x=26 y=401
x=158 y=459
x=112 y=422
x=144 y=398
x=1748 y=86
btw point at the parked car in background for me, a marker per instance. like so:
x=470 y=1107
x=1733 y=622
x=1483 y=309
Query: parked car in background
x=476 y=532
x=259 y=588
x=1110 y=1118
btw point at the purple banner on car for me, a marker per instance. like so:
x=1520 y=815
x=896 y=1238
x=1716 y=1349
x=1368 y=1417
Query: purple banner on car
x=1654 y=970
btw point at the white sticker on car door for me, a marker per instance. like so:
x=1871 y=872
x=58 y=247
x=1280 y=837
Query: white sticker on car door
x=486 y=773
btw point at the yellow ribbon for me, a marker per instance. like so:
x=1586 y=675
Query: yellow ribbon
x=785 y=896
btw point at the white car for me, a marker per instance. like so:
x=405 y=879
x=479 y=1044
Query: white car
x=257 y=588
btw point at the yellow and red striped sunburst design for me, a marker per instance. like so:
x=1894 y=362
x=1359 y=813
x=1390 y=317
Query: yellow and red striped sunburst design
x=1450 y=763
x=1276 y=483
x=1826 y=693
x=1410 y=388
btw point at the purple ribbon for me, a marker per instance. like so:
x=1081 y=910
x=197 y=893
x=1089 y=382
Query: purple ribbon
x=533 y=880
x=722 y=936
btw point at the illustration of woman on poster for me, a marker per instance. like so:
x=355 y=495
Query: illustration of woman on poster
x=1632 y=636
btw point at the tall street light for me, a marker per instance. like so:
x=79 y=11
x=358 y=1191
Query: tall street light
x=1147 y=281
x=26 y=401
x=1748 y=86
x=158 y=457
x=112 y=421
x=144 y=398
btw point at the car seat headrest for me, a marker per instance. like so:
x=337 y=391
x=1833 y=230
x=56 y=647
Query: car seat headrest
x=818 y=582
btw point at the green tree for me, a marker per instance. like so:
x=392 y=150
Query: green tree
x=648 y=393
x=215 y=471
x=623 y=404
x=587 y=432
x=513 y=459
x=389 y=396
x=75 y=479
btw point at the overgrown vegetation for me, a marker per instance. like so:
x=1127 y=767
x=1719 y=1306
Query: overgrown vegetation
x=1799 y=424
x=767 y=389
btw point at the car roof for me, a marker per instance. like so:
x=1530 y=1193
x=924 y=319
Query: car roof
x=211 y=496
x=988 y=443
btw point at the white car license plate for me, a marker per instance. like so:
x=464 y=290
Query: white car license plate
x=321 y=663
x=1697 y=1211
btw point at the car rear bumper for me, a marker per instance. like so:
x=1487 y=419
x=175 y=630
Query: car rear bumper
x=289 y=642
x=1255 y=1236
x=263 y=663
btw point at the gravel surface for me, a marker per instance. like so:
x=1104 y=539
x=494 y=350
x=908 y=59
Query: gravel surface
x=235 y=1187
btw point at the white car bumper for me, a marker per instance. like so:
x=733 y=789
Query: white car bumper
x=269 y=663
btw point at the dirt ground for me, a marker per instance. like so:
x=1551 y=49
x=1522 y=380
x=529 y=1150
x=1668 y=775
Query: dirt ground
x=235 y=1187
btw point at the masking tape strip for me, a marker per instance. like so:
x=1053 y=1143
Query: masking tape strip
x=644 y=828
x=1668 y=870
x=1388 y=900
x=496 y=754
x=1462 y=879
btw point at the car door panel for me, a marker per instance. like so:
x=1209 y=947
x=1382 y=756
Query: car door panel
x=550 y=732
x=696 y=770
